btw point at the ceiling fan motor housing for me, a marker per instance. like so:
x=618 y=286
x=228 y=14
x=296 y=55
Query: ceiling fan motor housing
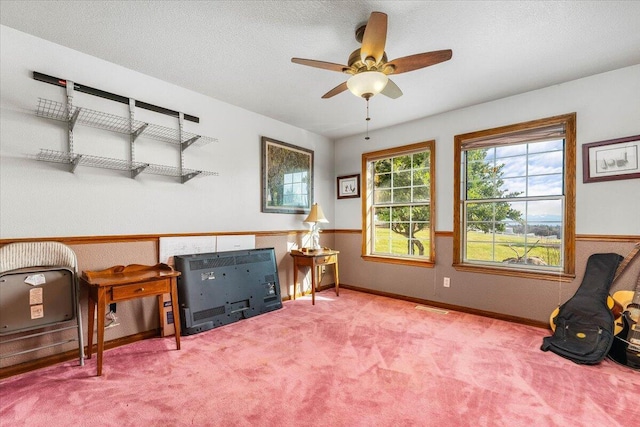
x=356 y=65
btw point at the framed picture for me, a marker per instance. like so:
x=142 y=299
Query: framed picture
x=349 y=186
x=611 y=160
x=287 y=177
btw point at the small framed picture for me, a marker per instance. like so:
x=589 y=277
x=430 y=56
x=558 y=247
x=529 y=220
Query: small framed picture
x=611 y=160
x=349 y=186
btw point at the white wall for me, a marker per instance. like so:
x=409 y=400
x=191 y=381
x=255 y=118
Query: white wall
x=39 y=199
x=607 y=107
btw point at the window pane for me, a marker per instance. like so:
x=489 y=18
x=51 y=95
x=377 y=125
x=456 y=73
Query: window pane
x=545 y=163
x=421 y=159
x=513 y=187
x=399 y=244
x=512 y=166
x=421 y=243
x=400 y=213
x=381 y=237
x=402 y=195
x=421 y=176
x=381 y=215
x=480 y=189
x=420 y=213
x=477 y=250
x=402 y=179
x=381 y=196
x=382 y=180
x=549 y=185
x=401 y=163
x=382 y=166
x=420 y=194
x=544 y=211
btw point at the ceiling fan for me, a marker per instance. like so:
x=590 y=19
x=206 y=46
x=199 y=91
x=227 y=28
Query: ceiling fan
x=369 y=67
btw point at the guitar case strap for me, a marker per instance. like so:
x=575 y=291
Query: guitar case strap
x=585 y=324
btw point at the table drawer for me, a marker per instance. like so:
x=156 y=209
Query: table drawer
x=328 y=259
x=138 y=290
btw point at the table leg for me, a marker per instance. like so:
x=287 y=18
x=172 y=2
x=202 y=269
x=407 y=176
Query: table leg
x=335 y=273
x=100 y=327
x=159 y=300
x=295 y=277
x=314 y=269
x=176 y=313
x=91 y=302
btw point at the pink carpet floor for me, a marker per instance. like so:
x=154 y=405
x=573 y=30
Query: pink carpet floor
x=353 y=360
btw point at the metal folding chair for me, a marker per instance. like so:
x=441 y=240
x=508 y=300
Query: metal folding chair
x=39 y=295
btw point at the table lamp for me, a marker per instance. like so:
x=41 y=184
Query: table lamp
x=315 y=216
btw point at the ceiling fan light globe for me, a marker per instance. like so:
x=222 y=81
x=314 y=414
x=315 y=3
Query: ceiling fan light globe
x=367 y=83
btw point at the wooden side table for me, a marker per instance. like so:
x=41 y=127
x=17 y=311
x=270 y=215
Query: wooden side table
x=122 y=283
x=314 y=260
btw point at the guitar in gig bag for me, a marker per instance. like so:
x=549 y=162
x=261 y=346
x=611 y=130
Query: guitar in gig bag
x=626 y=345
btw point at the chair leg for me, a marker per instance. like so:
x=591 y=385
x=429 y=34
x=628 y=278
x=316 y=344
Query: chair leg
x=80 y=334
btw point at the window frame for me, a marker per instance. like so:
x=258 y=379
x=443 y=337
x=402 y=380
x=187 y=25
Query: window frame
x=507 y=135
x=367 y=203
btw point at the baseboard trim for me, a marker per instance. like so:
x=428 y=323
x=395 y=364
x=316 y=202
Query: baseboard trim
x=66 y=356
x=490 y=314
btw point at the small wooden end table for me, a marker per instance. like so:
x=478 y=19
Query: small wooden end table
x=314 y=260
x=120 y=283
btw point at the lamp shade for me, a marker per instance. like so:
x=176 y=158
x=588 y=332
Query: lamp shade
x=367 y=83
x=316 y=215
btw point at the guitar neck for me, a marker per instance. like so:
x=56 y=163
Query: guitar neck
x=625 y=262
x=636 y=296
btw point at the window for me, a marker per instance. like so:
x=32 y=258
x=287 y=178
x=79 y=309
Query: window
x=398 y=208
x=515 y=199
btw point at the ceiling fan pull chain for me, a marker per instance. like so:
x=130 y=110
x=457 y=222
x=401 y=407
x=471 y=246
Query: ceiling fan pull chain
x=367 y=119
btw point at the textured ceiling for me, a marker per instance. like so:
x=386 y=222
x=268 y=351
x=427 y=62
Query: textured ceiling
x=240 y=51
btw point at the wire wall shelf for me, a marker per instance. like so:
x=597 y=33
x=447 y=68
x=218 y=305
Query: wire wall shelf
x=73 y=115
x=98 y=119
x=76 y=159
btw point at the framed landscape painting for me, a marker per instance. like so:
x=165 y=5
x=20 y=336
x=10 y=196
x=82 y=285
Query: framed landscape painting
x=287 y=177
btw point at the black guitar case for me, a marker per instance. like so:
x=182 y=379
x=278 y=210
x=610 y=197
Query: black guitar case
x=585 y=324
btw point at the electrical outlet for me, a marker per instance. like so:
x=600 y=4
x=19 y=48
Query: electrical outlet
x=447 y=282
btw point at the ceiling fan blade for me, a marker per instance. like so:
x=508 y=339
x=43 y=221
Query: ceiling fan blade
x=375 y=37
x=419 y=60
x=392 y=90
x=336 y=90
x=320 y=64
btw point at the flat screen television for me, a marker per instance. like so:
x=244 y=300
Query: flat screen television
x=219 y=288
